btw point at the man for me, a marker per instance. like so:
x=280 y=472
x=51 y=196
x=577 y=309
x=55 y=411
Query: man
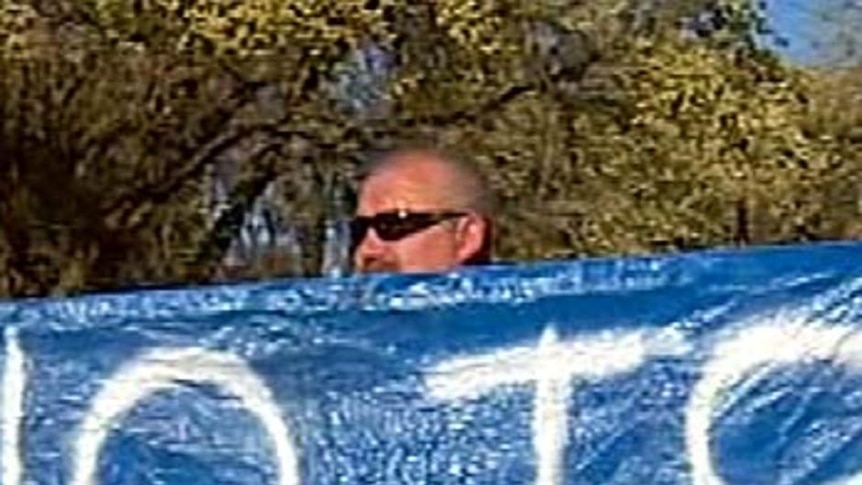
x=420 y=211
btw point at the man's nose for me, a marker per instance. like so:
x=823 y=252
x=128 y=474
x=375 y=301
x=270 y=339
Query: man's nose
x=370 y=245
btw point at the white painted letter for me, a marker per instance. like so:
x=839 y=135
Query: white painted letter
x=552 y=365
x=758 y=349
x=14 y=382
x=166 y=368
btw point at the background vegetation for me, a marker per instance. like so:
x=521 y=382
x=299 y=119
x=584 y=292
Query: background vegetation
x=172 y=141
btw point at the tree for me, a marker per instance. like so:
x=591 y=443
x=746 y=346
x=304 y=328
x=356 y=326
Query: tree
x=606 y=127
x=836 y=117
x=670 y=142
x=128 y=106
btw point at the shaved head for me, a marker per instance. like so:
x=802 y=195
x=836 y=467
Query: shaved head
x=422 y=210
x=455 y=182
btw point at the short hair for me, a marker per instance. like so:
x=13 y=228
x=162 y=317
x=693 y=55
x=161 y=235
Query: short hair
x=473 y=187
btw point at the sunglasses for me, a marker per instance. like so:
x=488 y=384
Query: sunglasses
x=395 y=225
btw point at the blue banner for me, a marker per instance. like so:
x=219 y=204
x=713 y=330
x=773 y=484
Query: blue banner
x=712 y=368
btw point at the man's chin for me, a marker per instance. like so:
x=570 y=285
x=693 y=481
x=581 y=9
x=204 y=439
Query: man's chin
x=379 y=267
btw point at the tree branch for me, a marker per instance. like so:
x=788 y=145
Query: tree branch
x=199 y=158
x=229 y=222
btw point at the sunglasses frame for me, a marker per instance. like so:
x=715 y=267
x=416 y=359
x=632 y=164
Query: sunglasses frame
x=395 y=225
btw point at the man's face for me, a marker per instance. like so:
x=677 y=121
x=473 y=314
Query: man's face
x=409 y=227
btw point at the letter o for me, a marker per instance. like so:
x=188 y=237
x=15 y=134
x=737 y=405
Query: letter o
x=750 y=349
x=163 y=368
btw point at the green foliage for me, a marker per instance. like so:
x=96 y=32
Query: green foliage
x=605 y=127
x=670 y=144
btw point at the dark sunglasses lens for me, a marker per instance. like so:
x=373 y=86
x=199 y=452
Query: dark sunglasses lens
x=358 y=230
x=392 y=227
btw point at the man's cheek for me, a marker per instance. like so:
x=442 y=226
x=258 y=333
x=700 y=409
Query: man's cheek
x=380 y=265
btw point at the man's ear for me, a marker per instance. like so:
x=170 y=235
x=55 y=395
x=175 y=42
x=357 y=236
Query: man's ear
x=471 y=233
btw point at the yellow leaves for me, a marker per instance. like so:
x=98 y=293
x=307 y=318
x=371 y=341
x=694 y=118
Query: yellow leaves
x=473 y=24
x=699 y=133
x=664 y=142
x=699 y=92
x=251 y=27
x=19 y=31
x=466 y=20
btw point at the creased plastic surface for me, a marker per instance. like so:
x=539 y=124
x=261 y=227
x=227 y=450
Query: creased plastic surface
x=714 y=368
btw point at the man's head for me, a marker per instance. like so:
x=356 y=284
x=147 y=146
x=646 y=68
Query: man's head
x=421 y=211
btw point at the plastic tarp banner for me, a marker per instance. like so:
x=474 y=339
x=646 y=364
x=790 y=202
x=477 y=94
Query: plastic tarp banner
x=707 y=368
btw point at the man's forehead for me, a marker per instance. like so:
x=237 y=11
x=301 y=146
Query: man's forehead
x=404 y=185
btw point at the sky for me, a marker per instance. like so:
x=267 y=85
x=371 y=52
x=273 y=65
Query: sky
x=809 y=26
